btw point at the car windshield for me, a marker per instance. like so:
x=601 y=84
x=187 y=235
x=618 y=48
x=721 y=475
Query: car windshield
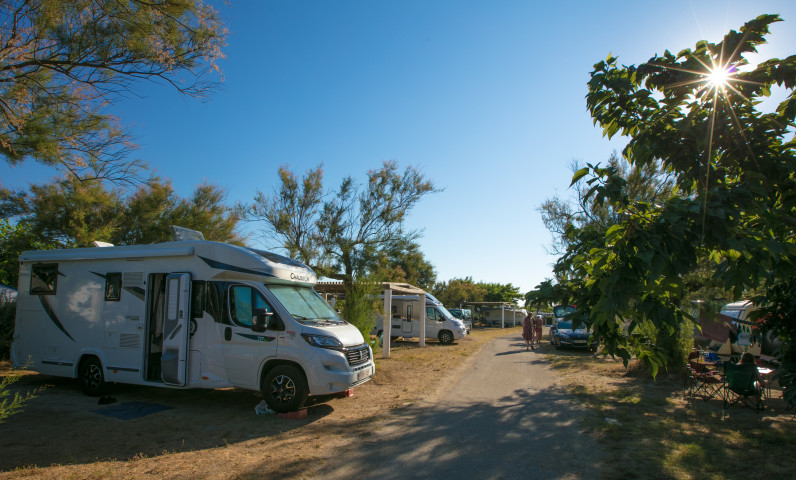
x=305 y=305
x=567 y=325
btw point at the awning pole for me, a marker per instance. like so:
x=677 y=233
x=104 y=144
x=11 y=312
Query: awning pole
x=386 y=324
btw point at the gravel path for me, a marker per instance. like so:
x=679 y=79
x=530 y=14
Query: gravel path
x=505 y=418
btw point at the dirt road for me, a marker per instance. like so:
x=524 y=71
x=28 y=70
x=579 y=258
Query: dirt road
x=505 y=419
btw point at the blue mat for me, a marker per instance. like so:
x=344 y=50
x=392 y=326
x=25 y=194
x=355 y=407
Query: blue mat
x=131 y=410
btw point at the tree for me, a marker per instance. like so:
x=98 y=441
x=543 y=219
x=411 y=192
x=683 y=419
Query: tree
x=73 y=213
x=289 y=216
x=403 y=262
x=343 y=236
x=63 y=61
x=734 y=172
x=456 y=291
x=648 y=183
x=15 y=239
x=155 y=206
x=498 y=292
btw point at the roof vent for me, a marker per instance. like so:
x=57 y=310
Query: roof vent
x=182 y=233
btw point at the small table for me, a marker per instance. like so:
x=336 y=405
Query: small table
x=765 y=373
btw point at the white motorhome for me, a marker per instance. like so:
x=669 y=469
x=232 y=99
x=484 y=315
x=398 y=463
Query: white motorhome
x=407 y=313
x=184 y=314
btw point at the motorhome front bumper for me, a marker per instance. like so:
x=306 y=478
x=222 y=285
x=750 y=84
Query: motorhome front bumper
x=341 y=370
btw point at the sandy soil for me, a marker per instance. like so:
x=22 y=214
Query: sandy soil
x=215 y=433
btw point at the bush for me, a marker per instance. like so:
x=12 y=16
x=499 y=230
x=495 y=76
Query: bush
x=358 y=307
x=671 y=346
x=8 y=311
x=11 y=404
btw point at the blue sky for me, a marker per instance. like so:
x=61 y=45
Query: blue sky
x=485 y=97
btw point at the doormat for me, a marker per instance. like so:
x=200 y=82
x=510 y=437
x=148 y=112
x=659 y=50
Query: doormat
x=131 y=410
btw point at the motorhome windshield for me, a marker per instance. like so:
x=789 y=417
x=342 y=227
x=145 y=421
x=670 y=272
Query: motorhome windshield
x=445 y=312
x=305 y=305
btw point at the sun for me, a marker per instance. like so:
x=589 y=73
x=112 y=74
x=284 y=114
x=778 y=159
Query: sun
x=719 y=76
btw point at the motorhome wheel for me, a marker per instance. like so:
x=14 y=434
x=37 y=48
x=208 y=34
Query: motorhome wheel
x=92 y=381
x=284 y=389
x=445 y=337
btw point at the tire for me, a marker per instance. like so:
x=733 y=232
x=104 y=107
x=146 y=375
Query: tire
x=284 y=388
x=558 y=345
x=92 y=380
x=445 y=337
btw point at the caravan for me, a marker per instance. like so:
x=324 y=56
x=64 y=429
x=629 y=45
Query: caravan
x=184 y=314
x=407 y=312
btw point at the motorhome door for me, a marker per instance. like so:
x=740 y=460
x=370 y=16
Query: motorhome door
x=174 y=359
x=406 y=322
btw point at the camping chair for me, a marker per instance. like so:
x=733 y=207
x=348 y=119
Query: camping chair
x=705 y=384
x=739 y=386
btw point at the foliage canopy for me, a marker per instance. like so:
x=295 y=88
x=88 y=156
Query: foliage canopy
x=734 y=171
x=62 y=62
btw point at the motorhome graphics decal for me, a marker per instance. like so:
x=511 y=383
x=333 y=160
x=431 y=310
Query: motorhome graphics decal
x=53 y=317
x=233 y=268
x=259 y=338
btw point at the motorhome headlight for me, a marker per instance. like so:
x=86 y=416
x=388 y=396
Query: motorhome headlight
x=322 y=341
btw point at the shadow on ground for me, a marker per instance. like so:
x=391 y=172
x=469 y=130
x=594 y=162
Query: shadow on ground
x=62 y=425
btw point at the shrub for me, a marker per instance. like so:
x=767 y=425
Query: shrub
x=8 y=311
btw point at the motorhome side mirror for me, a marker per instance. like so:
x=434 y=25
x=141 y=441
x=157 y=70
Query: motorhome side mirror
x=261 y=317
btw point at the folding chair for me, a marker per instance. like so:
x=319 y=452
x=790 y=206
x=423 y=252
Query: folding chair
x=705 y=383
x=739 y=386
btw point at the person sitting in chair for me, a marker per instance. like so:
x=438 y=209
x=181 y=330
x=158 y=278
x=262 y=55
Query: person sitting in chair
x=748 y=358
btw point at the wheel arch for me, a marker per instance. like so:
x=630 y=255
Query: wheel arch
x=85 y=355
x=276 y=362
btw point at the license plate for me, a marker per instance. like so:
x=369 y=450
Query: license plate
x=579 y=341
x=364 y=374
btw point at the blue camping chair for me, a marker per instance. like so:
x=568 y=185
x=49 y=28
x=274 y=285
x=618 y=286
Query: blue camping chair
x=741 y=386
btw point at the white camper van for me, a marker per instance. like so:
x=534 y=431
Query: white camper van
x=184 y=314
x=407 y=312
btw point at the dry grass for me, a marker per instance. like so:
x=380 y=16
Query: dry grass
x=215 y=434
x=654 y=432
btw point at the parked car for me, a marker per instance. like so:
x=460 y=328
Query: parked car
x=561 y=332
x=562 y=335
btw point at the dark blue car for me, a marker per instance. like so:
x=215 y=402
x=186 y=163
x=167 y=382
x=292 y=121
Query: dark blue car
x=562 y=335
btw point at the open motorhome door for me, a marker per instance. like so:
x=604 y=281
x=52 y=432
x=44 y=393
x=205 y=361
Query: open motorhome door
x=174 y=359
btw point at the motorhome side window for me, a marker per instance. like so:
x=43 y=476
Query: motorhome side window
x=43 y=278
x=243 y=301
x=113 y=287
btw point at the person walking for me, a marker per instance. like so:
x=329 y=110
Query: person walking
x=538 y=333
x=527 y=332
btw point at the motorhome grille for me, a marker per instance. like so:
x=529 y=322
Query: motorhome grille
x=358 y=355
x=129 y=340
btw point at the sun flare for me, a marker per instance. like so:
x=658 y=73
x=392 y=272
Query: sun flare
x=719 y=77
